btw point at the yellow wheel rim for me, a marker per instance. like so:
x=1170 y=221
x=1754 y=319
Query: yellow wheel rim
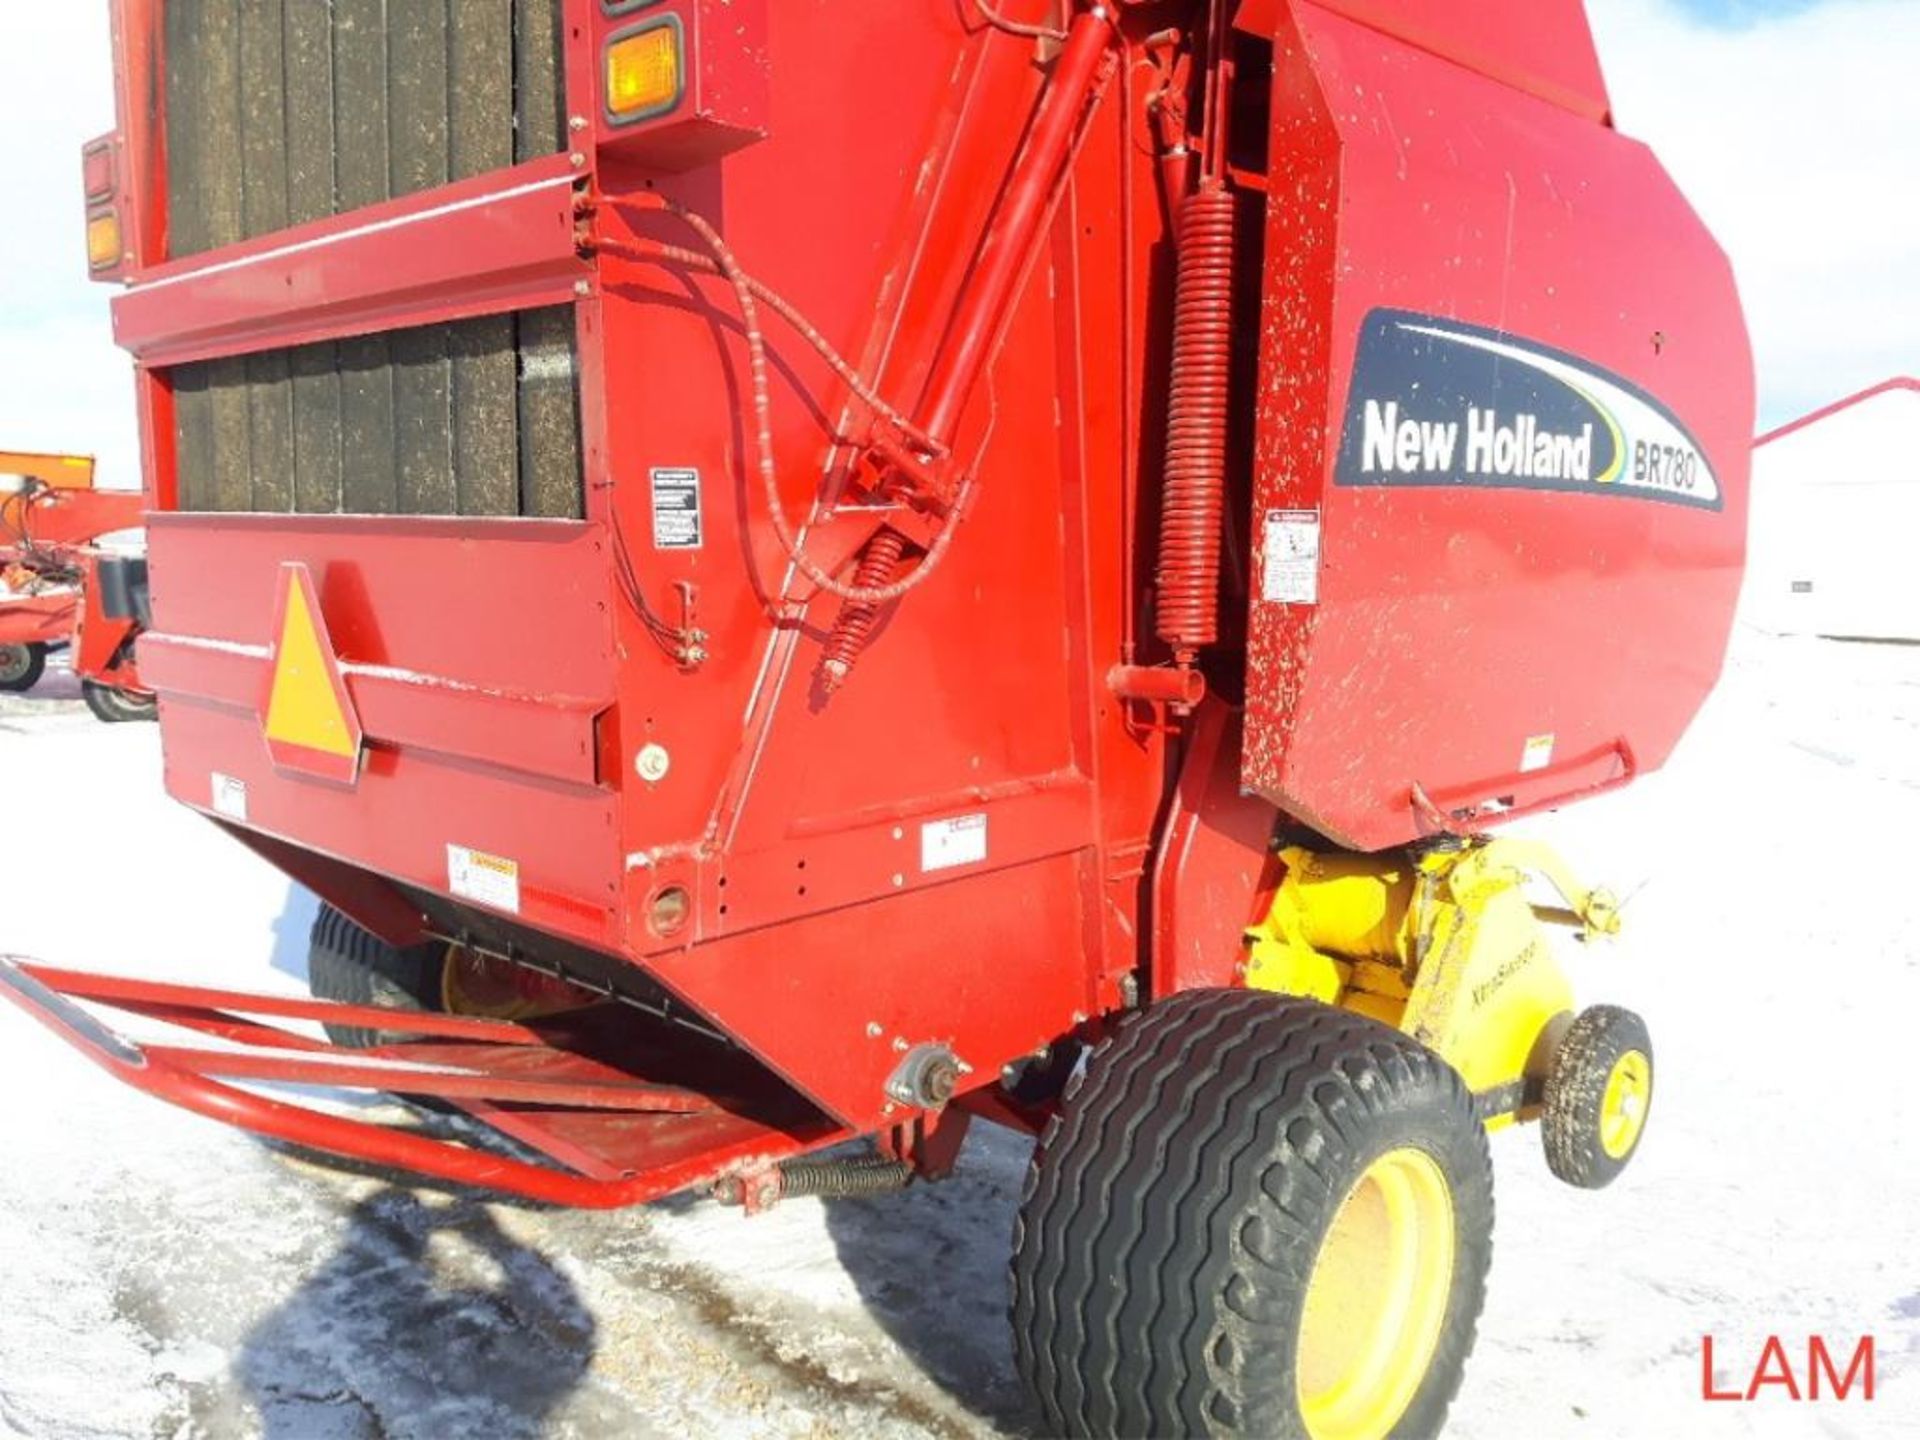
x=489 y=989
x=1377 y=1299
x=1623 y=1106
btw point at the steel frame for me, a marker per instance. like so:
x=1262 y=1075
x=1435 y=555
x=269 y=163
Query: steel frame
x=519 y=1079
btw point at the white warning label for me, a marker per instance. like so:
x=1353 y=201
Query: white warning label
x=1536 y=754
x=947 y=843
x=484 y=879
x=229 y=797
x=677 y=520
x=1290 y=567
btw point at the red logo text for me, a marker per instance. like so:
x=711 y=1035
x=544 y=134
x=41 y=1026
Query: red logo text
x=1774 y=1373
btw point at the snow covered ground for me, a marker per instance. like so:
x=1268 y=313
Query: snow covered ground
x=163 y=1276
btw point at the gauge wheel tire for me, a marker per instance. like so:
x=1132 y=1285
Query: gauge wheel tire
x=347 y=964
x=1253 y=1215
x=1598 y=1095
x=21 y=667
x=117 y=707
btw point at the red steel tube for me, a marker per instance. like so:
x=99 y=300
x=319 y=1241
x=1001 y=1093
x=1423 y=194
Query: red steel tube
x=37 y=991
x=1180 y=687
x=1003 y=254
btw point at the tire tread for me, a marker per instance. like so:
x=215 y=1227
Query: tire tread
x=1130 y=1243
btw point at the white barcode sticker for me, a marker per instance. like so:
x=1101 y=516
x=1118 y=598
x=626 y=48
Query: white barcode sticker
x=947 y=843
x=230 y=797
x=1290 y=558
x=485 y=879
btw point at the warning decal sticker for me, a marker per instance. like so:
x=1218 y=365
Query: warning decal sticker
x=677 y=519
x=230 y=797
x=946 y=843
x=484 y=879
x=1290 y=558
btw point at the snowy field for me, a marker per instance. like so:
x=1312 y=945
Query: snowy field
x=163 y=1277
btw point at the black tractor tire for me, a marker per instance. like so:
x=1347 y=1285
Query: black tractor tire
x=21 y=667
x=1178 y=1207
x=112 y=706
x=1588 y=1143
x=347 y=964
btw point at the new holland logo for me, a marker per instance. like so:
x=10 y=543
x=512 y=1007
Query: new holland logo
x=1435 y=402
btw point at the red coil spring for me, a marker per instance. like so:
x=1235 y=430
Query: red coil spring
x=879 y=563
x=1194 y=495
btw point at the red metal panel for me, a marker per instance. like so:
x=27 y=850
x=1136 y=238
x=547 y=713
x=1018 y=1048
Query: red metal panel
x=832 y=1001
x=1542 y=47
x=726 y=79
x=38 y=619
x=1215 y=869
x=1496 y=648
x=478 y=656
x=511 y=605
x=408 y=808
x=502 y=241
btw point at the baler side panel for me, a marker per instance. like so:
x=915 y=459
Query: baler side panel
x=977 y=701
x=1544 y=47
x=1493 y=645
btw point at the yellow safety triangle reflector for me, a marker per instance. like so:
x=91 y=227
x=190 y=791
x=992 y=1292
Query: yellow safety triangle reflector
x=311 y=725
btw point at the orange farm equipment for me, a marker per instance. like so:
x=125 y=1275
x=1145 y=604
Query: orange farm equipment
x=59 y=589
x=802 y=571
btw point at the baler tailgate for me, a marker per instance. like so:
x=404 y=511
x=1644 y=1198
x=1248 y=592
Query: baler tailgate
x=623 y=1137
x=475 y=659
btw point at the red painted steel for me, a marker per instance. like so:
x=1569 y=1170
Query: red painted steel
x=726 y=83
x=665 y=1138
x=47 y=540
x=497 y=242
x=998 y=828
x=1458 y=626
x=38 y=619
x=1539 y=47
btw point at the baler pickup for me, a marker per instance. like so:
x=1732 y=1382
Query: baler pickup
x=617 y=1134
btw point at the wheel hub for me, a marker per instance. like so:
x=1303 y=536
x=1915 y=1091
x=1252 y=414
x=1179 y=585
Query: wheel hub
x=1623 y=1107
x=494 y=989
x=14 y=661
x=1377 y=1299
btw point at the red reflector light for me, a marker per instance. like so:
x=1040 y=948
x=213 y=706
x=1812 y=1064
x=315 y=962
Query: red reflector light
x=96 y=163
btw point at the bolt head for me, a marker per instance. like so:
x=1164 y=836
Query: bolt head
x=939 y=1082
